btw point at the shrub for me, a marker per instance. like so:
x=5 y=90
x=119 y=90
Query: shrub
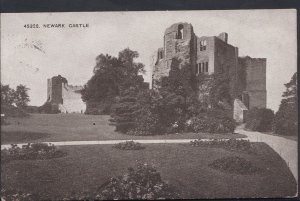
x=146 y=123
x=143 y=183
x=231 y=144
x=48 y=108
x=212 y=121
x=129 y=145
x=12 y=111
x=260 y=119
x=99 y=108
x=14 y=195
x=35 y=151
x=286 y=119
x=234 y=164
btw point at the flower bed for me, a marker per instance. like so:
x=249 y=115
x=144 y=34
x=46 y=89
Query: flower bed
x=231 y=144
x=35 y=151
x=13 y=195
x=235 y=165
x=143 y=183
x=129 y=145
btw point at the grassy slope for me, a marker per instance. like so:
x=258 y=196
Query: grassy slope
x=289 y=137
x=184 y=166
x=60 y=127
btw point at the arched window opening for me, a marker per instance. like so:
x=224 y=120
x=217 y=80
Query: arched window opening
x=203 y=44
x=180 y=32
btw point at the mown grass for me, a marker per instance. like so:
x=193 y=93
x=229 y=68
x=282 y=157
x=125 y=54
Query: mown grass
x=73 y=127
x=86 y=168
x=289 y=137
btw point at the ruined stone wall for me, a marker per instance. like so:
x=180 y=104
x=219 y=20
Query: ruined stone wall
x=247 y=75
x=177 y=47
x=226 y=61
x=66 y=98
x=49 y=89
x=208 y=54
x=239 y=111
x=72 y=101
x=177 y=44
x=255 y=82
x=55 y=89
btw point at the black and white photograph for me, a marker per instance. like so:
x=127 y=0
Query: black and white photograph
x=131 y=105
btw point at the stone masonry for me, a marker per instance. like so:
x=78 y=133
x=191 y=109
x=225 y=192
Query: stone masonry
x=210 y=54
x=66 y=98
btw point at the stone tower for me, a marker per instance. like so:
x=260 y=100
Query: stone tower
x=179 y=42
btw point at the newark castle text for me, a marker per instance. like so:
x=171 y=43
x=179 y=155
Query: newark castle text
x=210 y=54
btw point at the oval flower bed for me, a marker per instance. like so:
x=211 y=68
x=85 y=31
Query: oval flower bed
x=129 y=145
x=234 y=164
x=231 y=144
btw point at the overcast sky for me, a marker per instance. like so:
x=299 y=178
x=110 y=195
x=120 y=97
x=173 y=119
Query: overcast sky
x=30 y=56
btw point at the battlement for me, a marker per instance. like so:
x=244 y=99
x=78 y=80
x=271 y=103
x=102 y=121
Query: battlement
x=73 y=87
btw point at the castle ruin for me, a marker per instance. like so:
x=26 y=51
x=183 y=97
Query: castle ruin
x=211 y=54
x=66 y=98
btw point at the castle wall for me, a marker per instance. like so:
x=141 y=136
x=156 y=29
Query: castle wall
x=55 y=89
x=247 y=75
x=239 y=111
x=206 y=55
x=226 y=62
x=66 y=98
x=72 y=101
x=255 y=82
x=177 y=44
x=49 y=89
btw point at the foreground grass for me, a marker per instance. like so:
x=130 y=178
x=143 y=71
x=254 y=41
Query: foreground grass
x=73 y=127
x=86 y=168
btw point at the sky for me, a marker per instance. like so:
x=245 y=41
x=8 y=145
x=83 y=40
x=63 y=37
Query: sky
x=32 y=55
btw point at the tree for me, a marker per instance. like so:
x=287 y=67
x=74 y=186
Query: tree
x=181 y=80
x=260 y=119
x=112 y=76
x=7 y=95
x=124 y=111
x=220 y=90
x=286 y=118
x=21 y=96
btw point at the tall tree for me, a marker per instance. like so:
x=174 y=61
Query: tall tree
x=21 y=96
x=113 y=75
x=286 y=118
x=7 y=95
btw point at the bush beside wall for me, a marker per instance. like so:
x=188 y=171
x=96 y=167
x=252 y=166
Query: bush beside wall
x=260 y=119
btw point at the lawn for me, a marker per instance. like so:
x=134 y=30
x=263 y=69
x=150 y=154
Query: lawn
x=87 y=167
x=289 y=137
x=73 y=127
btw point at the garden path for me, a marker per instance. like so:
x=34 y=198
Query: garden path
x=287 y=149
x=158 y=141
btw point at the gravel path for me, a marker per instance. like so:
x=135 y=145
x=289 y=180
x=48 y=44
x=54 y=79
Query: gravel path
x=66 y=143
x=287 y=149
